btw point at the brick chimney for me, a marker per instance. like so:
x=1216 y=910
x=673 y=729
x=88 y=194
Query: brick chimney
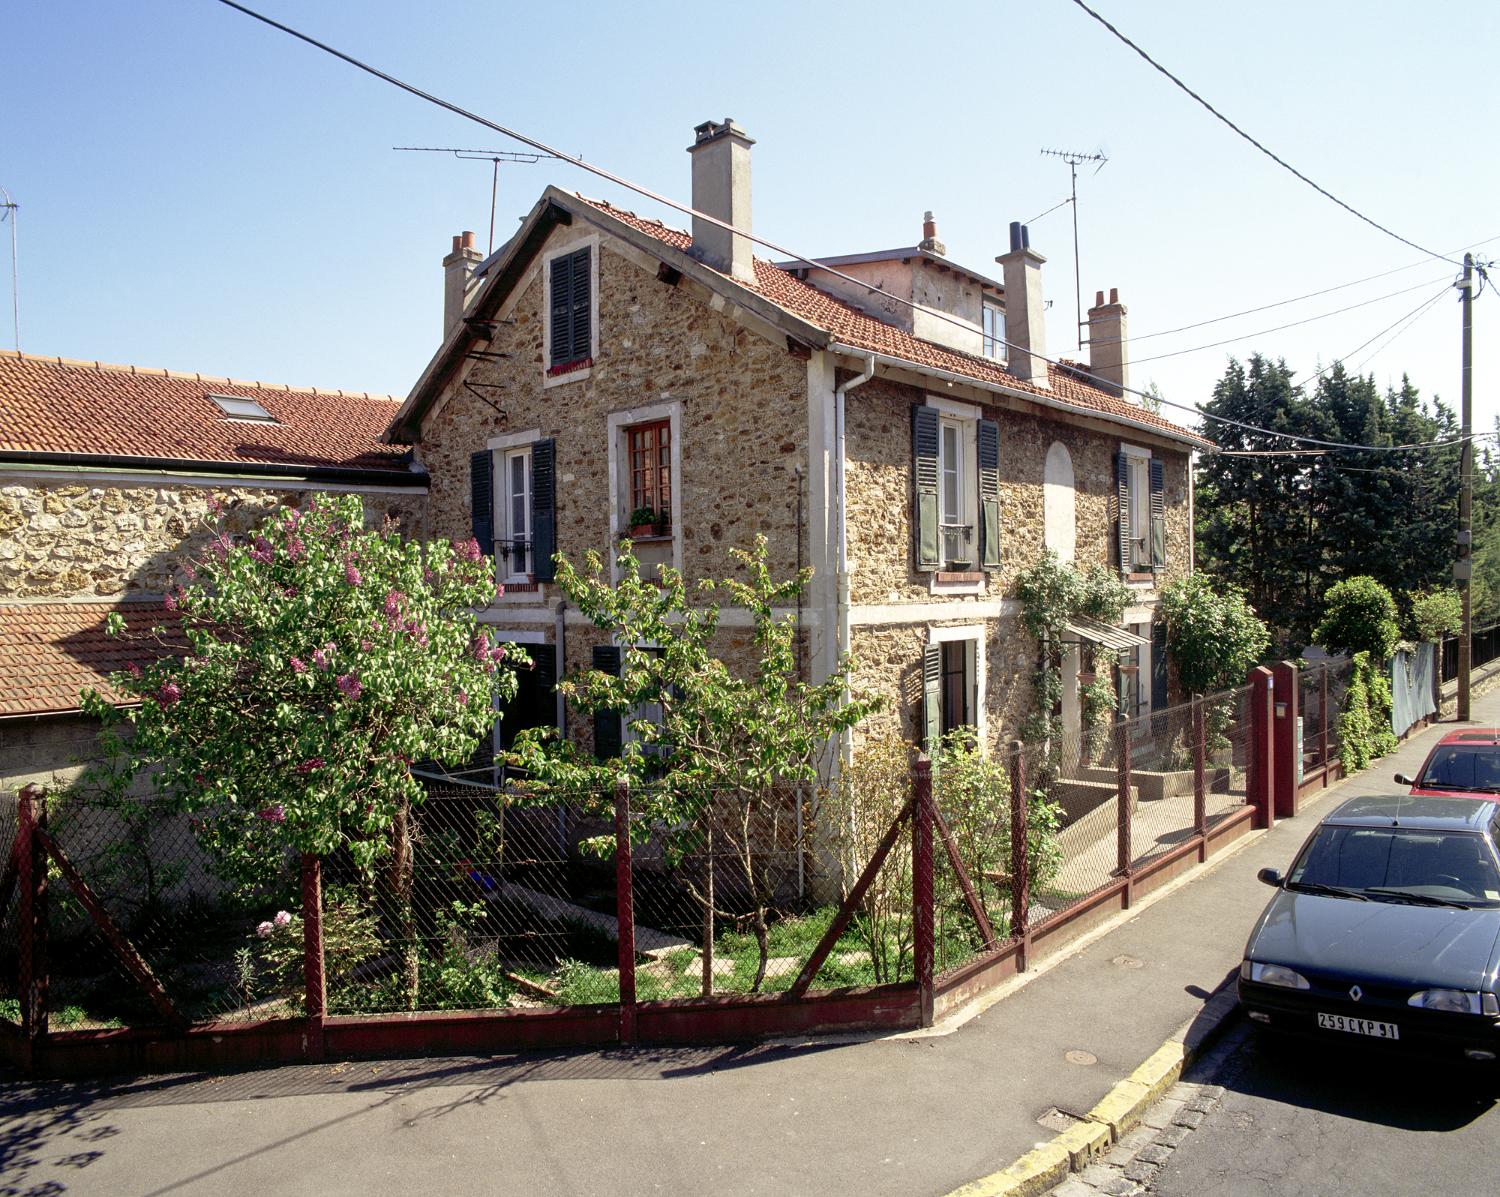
x=458 y=270
x=1025 y=326
x=721 y=188
x=929 y=240
x=1108 y=361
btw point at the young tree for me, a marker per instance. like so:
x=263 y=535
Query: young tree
x=1213 y=635
x=726 y=741
x=313 y=662
x=1359 y=616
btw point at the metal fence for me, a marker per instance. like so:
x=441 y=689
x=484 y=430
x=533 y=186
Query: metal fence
x=1321 y=691
x=1485 y=647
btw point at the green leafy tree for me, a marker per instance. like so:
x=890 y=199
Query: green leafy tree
x=1214 y=637
x=721 y=746
x=1359 y=616
x=313 y=661
x=1435 y=614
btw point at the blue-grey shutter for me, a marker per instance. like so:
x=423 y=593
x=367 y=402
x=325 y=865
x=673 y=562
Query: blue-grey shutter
x=579 y=318
x=562 y=303
x=988 y=453
x=1158 y=515
x=1159 y=665
x=1122 y=510
x=543 y=509
x=924 y=452
x=932 y=696
x=482 y=500
x=608 y=725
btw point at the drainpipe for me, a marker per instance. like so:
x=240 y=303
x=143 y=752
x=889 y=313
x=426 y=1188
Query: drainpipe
x=844 y=633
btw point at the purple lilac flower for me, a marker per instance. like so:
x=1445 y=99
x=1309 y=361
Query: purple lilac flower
x=274 y=813
x=282 y=918
x=169 y=601
x=395 y=603
x=351 y=574
x=310 y=764
x=215 y=504
x=218 y=547
x=133 y=669
x=188 y=571
x=366 y=645
x=295 y=549
x=349 y=683
x=468 y=550
x=463 y=699
x=297 y=665
x=168 y=694
x=263 y=552
x=265 y=929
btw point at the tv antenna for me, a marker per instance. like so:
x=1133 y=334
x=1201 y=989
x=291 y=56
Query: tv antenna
x=9 y=210
x=494 y=157
x=1075 y=159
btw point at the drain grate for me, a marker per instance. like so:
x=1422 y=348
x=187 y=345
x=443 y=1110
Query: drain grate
x=1058 y=1120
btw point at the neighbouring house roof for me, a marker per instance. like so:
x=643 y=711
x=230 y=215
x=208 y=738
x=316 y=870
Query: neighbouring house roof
x=56 y=410
x=49 y=652
x=804 y=312
x=895 y=255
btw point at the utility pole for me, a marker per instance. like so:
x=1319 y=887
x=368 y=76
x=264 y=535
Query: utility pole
x=1464 y=569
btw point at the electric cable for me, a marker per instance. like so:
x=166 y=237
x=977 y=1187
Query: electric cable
x=639 y=189
x=1416 y=311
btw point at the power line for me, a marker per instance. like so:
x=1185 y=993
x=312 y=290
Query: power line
x=1416 y=311
x=1281 y=162
x=601 y=172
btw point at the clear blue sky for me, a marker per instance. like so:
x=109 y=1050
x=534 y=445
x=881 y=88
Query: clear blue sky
x=203 y=193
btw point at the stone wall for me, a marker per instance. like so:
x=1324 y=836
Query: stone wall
x=743 y=424
x=61 y=539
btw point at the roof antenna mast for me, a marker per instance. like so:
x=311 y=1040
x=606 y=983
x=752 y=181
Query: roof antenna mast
x=9 y=210
x=495 y=157
x=1074 y=159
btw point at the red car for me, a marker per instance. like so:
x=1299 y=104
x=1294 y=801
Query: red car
x=1463 y=762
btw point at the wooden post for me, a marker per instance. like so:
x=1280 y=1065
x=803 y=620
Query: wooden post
x=312 y=954
x=625 y=911
x=1261 y=747
x=1199 y=736
x=1122 y=804
x=1286 y=706
x=31 y=978
x=1323 y=707
x=1020 y=879
x=924 y=914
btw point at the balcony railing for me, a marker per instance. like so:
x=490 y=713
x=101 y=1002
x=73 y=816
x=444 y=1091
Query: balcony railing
x=512 y=557
x=958 y=545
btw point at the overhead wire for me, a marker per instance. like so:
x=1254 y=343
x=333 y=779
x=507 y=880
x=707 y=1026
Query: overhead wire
x=1274 y=157
x=619 y=180
x=1415 y=312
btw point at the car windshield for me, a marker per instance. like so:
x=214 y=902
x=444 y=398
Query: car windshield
x=1473 y=767
x=1392 y=862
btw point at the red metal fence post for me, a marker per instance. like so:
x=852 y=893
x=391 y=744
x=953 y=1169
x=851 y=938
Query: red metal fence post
x=625 y=911
x=312 y=953
x=1260 y=747
x=1020 y=879
x=1326 y=754
x=1286 y=707
x=1122 y=804
x=1200 y=781
x=31 y=979
x=924 y=914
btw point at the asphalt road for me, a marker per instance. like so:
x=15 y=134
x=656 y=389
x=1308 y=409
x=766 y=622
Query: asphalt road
x=1335 y=1120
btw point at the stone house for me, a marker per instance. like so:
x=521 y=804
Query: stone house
x=889 y=418
x=106 y=476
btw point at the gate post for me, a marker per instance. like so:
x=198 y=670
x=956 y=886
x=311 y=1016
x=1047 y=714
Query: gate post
x=31 y=979
x=924 y=920
x=1287 y=705
x=1260 y=747
x=625 y=911
x=316 y=991
x=1020 y=878
x=1122 y=804
x=1199 y=736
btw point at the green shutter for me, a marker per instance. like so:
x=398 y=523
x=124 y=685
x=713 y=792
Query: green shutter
x=583 y=308
x=932 y=696
x=924 y=451
x=609 y=730
x=1158 y=516
x=988 y=453
x=543 y=509
x=1122 y=510
x=562 y=310
x=482 y=500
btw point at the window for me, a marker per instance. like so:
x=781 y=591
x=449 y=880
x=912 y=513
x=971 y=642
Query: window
x=952 y=682
x=994 y=330
x=955 y=507
x=1140 y=518
x=957 y=684
x=1134 y=664
x=1141 y=511
x=570 y=311
x=649 y=453
x=515 y=497
x=237 y=407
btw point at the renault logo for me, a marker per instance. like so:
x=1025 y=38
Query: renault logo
x=1356 y=992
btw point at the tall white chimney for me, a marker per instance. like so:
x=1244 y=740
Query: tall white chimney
x=1025 y=326
x=458 y=270
x=721 y=188
x=1108 y=361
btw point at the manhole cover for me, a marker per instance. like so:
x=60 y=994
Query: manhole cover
x=1128 y=962
x=1058 y=1120
x=1077 y=1056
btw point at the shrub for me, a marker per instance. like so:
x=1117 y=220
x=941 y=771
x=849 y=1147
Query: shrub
x=1213 y=635
x=1359 y=616
x=1435 y=614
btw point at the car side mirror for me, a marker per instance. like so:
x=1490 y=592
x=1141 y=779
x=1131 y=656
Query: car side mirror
x=1403 y=780
x=1270 y=877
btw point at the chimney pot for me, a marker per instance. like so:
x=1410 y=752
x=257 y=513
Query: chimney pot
x=1098 y=299
x=929 y=236
x=468 y=239
x=1114 y=295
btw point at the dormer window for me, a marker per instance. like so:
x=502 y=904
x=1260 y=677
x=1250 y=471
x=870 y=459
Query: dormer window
x=237 y=407
x=994 y=330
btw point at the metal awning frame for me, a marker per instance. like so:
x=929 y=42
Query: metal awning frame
x=1082 y=630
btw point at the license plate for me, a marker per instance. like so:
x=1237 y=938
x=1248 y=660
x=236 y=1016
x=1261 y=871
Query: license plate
x=1359 y=1026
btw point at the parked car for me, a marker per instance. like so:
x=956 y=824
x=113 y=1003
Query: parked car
x=1386 y=929
x=1462 y=762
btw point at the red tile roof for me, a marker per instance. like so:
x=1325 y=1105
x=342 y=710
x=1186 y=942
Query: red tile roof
x=851 y=326
x=51 y=651
x=56 y=405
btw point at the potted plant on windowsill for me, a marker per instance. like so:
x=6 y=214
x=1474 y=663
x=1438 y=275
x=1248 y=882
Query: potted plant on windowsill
x=646 y=521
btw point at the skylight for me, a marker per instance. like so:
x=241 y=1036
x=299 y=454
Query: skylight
x=236 y=407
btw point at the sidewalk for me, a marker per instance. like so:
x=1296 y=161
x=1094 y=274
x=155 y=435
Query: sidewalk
x=920 y=1114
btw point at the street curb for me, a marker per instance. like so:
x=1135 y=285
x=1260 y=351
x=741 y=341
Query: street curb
x=1048 y=1164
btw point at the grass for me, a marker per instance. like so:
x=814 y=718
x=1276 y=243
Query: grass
x=63 y=1018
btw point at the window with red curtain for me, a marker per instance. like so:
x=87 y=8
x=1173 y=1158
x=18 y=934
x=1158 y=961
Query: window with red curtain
x=650 y=454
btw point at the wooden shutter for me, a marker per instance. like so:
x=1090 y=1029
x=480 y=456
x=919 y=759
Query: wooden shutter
x=482 y=500
x=1158 y=515
x=1122 y=509
x=579 y=319
x=543 y=509
x=988 y=453
x=609 y=730
x=562 y=308
x=932 y=696
x=1159 y=665
x=924 y=451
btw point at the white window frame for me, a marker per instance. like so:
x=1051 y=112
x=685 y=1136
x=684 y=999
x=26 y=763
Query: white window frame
x=965 y=416
x=562 y=250
x=617 y=423
x=507 y=458
x=1138 y=498
x=502 y=449
x=974 y=633
x=993 y=346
